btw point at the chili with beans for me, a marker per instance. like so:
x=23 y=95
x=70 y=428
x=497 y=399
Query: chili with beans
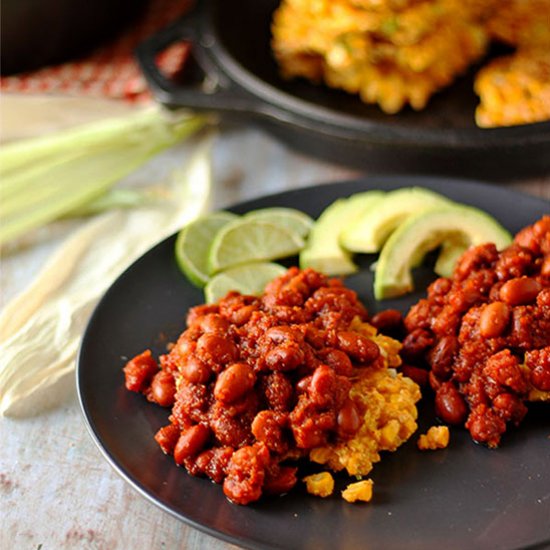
x=484 y=335
x=254 y=382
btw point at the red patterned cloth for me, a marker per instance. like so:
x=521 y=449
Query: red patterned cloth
x=111 y=70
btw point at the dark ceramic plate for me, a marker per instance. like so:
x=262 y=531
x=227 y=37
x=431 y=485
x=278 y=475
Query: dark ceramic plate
x=463 y=497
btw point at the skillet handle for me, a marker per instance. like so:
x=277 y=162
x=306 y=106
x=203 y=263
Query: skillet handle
x=209 y=90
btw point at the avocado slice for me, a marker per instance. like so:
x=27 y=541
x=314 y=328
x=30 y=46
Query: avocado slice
x=369 y=232
x=323 y=251
x=426 y=231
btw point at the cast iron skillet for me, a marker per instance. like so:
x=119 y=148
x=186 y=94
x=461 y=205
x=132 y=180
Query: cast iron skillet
x=234 y=74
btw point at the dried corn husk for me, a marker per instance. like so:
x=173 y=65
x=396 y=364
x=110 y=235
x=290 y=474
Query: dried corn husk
x=40 y=330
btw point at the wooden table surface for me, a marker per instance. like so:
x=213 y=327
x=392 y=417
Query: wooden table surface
x=57 y=491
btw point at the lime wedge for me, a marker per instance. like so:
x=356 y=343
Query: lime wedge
x=249 y=240
x=193 y=245
x=247 y=279
x=290 y=218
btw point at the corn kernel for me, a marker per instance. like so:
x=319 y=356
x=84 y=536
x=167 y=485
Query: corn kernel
x=361 y=490
x=321 y=485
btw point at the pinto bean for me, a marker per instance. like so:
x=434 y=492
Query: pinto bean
x=494 y=319
x=234 y=382
x=518 y=291
x=190 y=442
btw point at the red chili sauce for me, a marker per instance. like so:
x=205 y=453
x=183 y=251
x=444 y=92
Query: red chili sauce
x=256 y=381
x=484 y=334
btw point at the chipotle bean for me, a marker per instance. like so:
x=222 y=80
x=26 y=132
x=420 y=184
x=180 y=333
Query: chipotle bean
x=217 y=349
x=190 y=442
x=442 y=355
x=389 y=321
x=339 y=361
x=285 y=357
x=139 y=371
x=415 y=344
x=450 y=405
x=420 y=376
x=213 y=323
x=163 y=389
x=167 y=437
x=281 y=334
x=234 y=382
x=195 y=371
x=348 y=419
x=494 y=319
x=359 y=347
x=281 y=482
x=519 y=291
x=321 y=387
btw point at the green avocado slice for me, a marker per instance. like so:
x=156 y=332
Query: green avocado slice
x=323 y=251
x=371 y=230
x=423 y=232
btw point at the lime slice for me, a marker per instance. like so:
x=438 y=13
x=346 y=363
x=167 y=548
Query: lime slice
x=193 y=244
x=246 y=279
x=290 y=218
x=248 y=240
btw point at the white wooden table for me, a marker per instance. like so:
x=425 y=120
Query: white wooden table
x=57 y=491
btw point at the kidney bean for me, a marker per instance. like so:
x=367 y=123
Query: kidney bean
x=450 y=405
x=389 y=321
x=281 y=482
x=281 y=334
x=435 y=382
x=190 y=442
x=216 y=349
x=494 y=319
x=234 y=382
x=519 y=291
x=213 y=323
x=415 y=344
x=303 y=384
x=163 y=389
x=348 y=419
x=359 y=347
x=284 y=357
x=195 y=371
x=139 y=371
x=339 y=361
x=441 y=357
x=268 y=427
x=420 y=376
x=321 y=387
x=167 y=437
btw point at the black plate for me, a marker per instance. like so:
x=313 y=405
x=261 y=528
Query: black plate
x=235 y=74
x=463 y=497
